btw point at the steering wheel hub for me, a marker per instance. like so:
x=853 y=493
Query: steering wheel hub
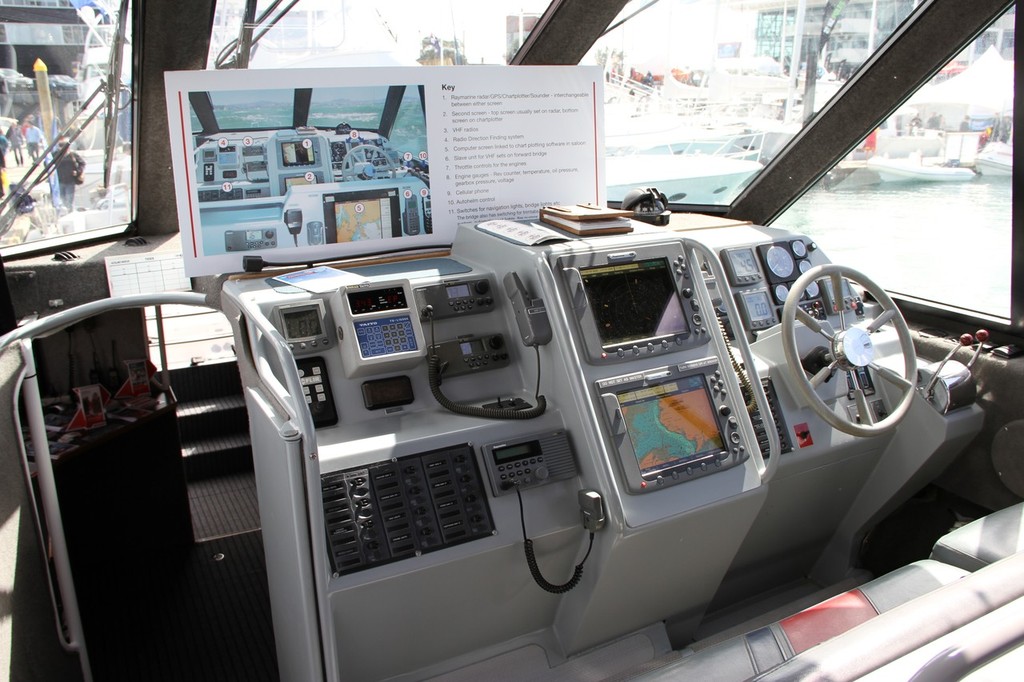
x=853 y=348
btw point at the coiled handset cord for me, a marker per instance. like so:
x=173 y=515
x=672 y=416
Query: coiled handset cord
x=434 y=380
x=745 y=388
x=531 y=559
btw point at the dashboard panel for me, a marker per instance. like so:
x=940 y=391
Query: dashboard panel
x=496 y=394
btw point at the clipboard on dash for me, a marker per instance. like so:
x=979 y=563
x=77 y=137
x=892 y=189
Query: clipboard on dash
x=584 y=212
x=587 y=219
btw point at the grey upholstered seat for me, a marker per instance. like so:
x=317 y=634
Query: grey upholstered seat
x=983 y=541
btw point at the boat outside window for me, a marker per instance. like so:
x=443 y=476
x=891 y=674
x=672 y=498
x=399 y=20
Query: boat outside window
x=926 y=200
x=67 y=167
x=701 y=94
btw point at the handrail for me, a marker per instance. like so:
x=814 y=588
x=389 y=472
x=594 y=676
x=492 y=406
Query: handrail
x=28 y=386
x=766 y=470
x=54 y=323
x=285 y=390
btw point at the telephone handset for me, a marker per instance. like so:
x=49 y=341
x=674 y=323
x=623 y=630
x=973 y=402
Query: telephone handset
x=531 y=314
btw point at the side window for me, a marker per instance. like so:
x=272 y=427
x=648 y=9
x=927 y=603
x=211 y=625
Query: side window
x=64 y=177
x=926 y=199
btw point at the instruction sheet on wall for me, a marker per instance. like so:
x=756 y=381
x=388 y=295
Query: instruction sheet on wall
x=303 y=169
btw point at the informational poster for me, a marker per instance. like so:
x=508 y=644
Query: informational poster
x=306 y=166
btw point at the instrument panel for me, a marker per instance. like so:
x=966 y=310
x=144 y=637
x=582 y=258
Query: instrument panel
x=762 y=276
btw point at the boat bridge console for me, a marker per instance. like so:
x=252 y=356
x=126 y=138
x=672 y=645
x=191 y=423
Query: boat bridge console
x=568 y=444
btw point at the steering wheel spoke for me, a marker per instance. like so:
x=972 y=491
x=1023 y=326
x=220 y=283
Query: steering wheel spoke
x=817 y=326
x=881 y=320
x=863 y=409
x=823 y=375
x=892 y=377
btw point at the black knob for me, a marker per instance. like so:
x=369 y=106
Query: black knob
x=496 y=342
x=482 y=286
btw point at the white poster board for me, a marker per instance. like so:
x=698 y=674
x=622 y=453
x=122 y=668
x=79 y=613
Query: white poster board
x=314 y=164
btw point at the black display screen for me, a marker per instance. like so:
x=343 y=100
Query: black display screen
x=517 y=451
x=633 y=302
x=458 y=291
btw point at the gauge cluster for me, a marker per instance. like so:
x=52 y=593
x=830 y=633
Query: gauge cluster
x=762 y=276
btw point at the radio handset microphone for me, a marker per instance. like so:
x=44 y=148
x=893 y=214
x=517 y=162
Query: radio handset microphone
x=293 y=221
x=531 y=314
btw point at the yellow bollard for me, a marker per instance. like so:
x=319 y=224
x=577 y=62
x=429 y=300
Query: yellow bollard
x=45 y=104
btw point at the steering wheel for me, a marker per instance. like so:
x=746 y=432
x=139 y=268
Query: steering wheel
x=361 y=154
x=849 y=348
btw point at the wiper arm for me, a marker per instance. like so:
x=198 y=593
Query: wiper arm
x=235 y=55
x=114 y=86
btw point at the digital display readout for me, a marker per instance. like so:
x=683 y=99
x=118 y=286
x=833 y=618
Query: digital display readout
x=759 y=308
x=472 y=347
x=743 y=262
x=670 y=424
x=301 y=323
x=458 y=291
x=517 y=451
x=376 y=300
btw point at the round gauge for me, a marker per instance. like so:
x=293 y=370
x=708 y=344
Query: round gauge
x=812 y=289
x=799 y=248
x=781 y=292
x=779 y=261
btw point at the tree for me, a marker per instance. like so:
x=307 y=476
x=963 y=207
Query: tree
x=435 y=51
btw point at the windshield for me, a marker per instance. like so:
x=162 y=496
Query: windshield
x=699 y=94
x=309 y=33
x=66 y=153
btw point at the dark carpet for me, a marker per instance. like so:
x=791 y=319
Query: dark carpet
x=194 y=613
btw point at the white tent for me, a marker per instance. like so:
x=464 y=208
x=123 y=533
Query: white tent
x=985 y=87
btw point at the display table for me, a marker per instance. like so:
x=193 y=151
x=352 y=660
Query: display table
x=122 y=489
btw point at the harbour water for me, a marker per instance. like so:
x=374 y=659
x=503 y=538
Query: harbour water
x=948 y=242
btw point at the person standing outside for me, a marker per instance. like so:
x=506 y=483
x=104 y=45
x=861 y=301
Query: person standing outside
x=34 y=139
x=17 y=142
x=70 y=167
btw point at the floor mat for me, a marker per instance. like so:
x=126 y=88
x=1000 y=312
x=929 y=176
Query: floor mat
x=197 y=614
x=224 y=505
